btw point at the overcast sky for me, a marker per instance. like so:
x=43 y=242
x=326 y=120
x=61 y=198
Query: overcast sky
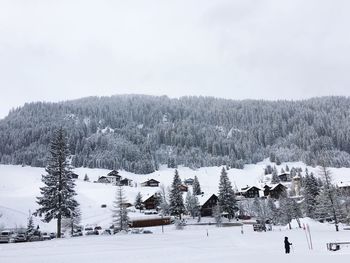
x=271 y=49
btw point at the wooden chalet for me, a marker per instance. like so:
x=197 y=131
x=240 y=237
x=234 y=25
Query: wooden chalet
x=189 y=181
x=183 y=188
x=150 y=183
x=284 y=177
x=207 y=203
x=274 y=191
x=151 y=202
x=344 y=188
x=249 y=192
x=125 y=182
x=115 y=174
x=103 y=179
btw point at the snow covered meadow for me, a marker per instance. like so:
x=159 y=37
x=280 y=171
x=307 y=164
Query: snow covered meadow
x=226 y=244
x=20 y=185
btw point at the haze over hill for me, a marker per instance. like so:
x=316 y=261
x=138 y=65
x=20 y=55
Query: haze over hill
x=138 y=133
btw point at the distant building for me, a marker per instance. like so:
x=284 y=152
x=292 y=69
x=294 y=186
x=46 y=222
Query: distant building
x=189 y=181
x=249 y=192
x=151 y=202
x=207 y=203
x=103 y=179
x=183 y=188
x=284 y=177
x=274 y=191
x=344 y=188
x=150 y=183
x=125 y=182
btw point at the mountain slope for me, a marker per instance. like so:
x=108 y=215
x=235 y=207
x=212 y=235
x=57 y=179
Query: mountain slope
x=138 y=133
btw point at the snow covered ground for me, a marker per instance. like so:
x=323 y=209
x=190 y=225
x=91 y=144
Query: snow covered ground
x=189 y=245
x=19 y=187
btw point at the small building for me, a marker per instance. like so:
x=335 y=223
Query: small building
x=103 y=180
x=147 y=222
x=151 y=202
x=150 y=183
x=125 y=182
x=249 y=192
x=207 y=203
x=274 y=191
x=114 y=173
x=75 y=176
x=183 y=188
x=344 y=188
x=189 y=181
x=284 y=177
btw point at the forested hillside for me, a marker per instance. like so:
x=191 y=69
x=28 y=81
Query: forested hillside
x=138 y=133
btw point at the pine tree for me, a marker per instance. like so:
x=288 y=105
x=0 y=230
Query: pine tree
x=138 y=201
x=226 y=195
x=329 y=192
x=196 y=186
x=272 y=211
x=176 y=200
x=217 y=213
x=86 y=178
x=163 y=202
x=57 y=196
x=192 y=204
x=72 y=223
x=274 y=178
x=119 y=211
x=310 y=192
x=30 y=225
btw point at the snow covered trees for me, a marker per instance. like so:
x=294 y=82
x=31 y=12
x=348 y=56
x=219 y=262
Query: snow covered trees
x=176 y=200
x=57 y=196
x=192 y=204
x=310 y=192
x=30 y=225
x=72 y=223
x=138 y=201
x=327 y=201
x=196 y=186
x=119 y=211
x=226 y=195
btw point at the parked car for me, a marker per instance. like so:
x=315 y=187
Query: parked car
x=92 y=232
x=147 y=232
x=21 y=237
x=77 y=233
x=45 y=236
x=106 y=232
x=7 y=236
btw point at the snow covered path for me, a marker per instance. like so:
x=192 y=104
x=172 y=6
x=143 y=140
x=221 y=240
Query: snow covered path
x=189 y=245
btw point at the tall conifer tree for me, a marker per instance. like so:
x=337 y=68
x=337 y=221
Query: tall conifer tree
x=57 y=195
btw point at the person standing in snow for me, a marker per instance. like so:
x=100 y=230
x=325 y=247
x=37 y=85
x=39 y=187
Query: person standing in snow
x=287 y=245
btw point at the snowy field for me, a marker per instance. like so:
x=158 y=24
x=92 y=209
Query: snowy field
x=20 y=185
x=189 y=245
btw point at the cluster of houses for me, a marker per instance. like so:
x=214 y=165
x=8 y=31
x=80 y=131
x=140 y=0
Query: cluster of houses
x=206 y=201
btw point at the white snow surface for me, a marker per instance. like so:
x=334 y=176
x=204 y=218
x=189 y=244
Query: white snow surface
x=226 y=244
x=19 y=187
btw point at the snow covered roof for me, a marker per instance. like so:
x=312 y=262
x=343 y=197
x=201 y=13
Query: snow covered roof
x=202 y=199
x=247 y=188
x=344 y=184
